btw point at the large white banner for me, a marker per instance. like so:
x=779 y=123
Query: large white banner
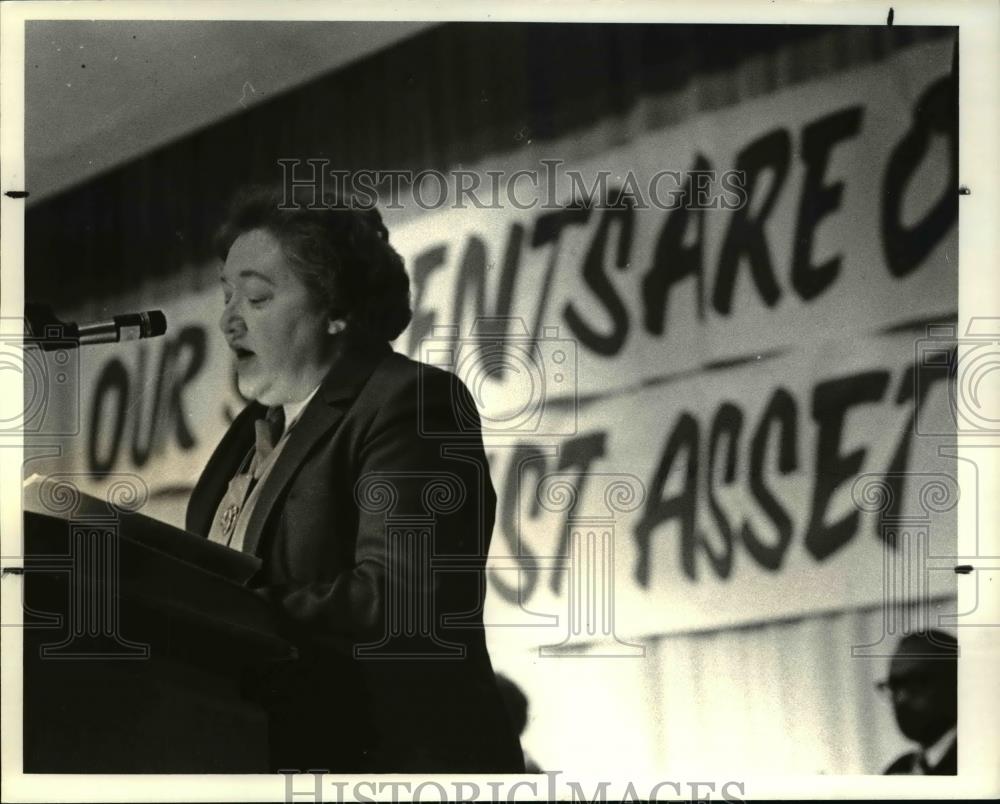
x=685 y=408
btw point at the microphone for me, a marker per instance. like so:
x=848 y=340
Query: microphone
x=49 y=333
x=128 y=327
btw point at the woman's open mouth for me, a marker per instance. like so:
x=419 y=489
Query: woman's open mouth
x=243 y=355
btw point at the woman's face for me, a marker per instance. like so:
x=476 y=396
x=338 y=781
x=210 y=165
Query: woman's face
x=277 y=329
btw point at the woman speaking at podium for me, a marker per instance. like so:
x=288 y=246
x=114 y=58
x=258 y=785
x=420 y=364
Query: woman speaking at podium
x=351 y=474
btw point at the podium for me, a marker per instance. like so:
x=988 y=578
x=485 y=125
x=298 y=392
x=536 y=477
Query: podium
x=139 y=644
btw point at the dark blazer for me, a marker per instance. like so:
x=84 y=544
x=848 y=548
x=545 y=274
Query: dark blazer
x=948 y=765
x=381 y=486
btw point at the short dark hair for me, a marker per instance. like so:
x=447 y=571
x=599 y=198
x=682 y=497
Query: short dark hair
x=340 y=252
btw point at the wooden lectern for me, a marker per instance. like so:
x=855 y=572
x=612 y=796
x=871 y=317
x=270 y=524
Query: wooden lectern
x=139 y=641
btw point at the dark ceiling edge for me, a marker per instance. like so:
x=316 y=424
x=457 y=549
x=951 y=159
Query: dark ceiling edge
x=236 y=113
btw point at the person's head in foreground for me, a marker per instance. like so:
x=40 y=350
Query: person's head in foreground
x=923 y=685
x=300 y=285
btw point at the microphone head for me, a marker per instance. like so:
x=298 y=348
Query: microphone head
x=154 y=323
